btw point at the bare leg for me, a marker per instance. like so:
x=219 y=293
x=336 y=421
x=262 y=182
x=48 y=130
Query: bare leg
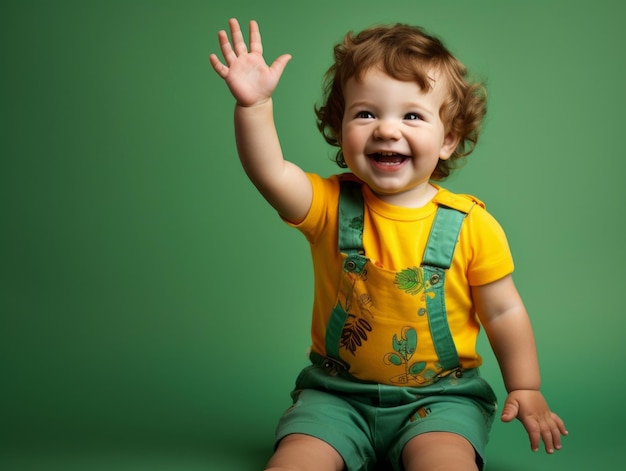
x=305 y=453
x=439 y=451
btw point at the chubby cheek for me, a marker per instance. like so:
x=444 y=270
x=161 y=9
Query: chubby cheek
x=351 y=142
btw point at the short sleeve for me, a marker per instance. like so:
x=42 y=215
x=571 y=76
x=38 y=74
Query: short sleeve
x=489 y=255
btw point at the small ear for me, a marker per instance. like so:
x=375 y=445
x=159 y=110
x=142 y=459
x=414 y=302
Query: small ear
x=449 y=145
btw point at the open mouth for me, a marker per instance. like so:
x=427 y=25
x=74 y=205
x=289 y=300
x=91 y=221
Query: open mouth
x=388 y=158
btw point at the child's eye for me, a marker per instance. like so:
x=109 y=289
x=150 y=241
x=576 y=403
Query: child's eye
x=364 y=115
x=412 y=116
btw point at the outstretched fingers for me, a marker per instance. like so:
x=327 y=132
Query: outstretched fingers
x=227 y=52
x=248 y=77
x=239 y=45
x=256 y=44
x=236 y=46
x=278 y=66
x=220 y=68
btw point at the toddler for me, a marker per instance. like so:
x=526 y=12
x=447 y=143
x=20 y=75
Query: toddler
x=405 y=271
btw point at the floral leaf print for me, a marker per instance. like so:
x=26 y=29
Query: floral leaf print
x=357 y=223
x=404 y=348
x=394 y=359
x=354 y=333
x=417 y=368
x=407 y=343
x=410 y=280
x=429 y=374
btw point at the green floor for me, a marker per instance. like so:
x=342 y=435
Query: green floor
x=507 y=451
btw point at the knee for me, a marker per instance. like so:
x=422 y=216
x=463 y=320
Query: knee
x=304 y=453
x=442 y=451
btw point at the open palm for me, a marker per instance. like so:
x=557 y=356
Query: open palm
x=250 y=80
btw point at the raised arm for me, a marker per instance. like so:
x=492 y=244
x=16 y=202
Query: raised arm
x=252 y=82
x=508 y=328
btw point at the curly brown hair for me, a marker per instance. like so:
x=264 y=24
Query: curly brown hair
x=405 y=53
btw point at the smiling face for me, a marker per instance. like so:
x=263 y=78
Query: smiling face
x=392 y=136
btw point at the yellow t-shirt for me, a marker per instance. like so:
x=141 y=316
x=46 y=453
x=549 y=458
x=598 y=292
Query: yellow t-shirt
x=394 y=239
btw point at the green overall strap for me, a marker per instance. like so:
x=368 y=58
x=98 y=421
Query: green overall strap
x=350 y=242
x=350 y=238
x=437 y=259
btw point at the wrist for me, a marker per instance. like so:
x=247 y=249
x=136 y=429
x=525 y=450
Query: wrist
x=527 y=383
x=524 y=390
x=257 y=104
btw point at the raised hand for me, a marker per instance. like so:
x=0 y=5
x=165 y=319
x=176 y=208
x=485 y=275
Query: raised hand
x=249 y=78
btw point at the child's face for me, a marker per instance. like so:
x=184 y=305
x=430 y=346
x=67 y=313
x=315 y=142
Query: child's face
x=392 y=136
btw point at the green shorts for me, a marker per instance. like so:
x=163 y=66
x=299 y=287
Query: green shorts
x=369 y=424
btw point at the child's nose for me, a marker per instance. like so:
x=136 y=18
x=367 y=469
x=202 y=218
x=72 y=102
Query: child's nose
x=387 y=129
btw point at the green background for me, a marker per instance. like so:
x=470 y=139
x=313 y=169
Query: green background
x=154 y=311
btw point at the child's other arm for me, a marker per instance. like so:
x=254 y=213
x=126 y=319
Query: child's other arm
x=252 y=82
x=508 y=328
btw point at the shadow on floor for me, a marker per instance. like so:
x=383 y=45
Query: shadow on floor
x=69 y=455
